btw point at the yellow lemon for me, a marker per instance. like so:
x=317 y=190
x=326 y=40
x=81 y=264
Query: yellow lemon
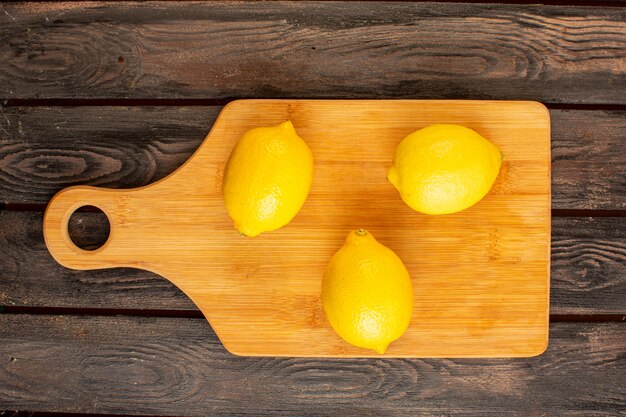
x=442 y=168
x=367 y=293
x=267 y=179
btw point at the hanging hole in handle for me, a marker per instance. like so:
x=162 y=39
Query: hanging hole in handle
x=89 y=227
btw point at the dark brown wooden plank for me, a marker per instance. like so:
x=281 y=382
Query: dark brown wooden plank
x=588 y=265
x=178 y=367
x=588 y=270
x=555 y=54
x=588 y=159
x=44 y=149
x=29 y=276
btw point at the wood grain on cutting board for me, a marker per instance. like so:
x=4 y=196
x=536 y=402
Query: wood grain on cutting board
x=481 y=277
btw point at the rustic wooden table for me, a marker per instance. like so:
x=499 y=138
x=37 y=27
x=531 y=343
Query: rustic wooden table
x=119 y=94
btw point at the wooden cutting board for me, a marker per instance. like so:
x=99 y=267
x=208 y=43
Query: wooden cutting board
x=480 y=277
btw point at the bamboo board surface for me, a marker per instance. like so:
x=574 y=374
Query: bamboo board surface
x=481 y=277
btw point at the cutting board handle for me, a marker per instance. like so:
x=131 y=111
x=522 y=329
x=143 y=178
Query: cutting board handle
x=56 y=233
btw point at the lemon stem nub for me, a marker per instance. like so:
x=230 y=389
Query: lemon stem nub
x=361 y=232
x=502 y=156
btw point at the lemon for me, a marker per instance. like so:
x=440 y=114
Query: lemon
x=444 y=168
x=367 y=293
x=267 y=178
